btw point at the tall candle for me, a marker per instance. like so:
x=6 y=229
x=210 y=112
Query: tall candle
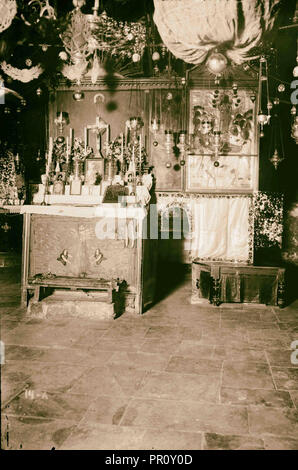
x=140 y=143
x=67 y=149
x=122 y=146
x=85 y=137
x=50 y=150
x=108 y=134
x=71 y=137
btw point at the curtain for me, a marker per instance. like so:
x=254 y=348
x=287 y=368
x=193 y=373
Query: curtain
x=221 y=228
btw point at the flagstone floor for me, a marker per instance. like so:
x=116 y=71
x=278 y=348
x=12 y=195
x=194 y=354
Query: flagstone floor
x=179 y=377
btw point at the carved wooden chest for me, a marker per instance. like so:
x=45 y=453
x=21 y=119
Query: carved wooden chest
x=218 y=282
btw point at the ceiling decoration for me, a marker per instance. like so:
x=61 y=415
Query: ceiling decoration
x=217 y=31
x=90 y=40
x=8 y=10
x=22 y=75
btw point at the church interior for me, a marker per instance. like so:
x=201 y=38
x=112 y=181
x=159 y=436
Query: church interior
x=149 y=225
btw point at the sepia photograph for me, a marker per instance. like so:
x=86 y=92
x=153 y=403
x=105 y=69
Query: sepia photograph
x=149 y=228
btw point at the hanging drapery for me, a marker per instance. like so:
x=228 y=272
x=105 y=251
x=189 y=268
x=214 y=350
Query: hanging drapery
x=221 y=228
x=8 y=10
x=193 y=29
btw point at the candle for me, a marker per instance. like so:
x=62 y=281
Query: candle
x=122 y=146
x=67 y=149
x=108 y=134
x=85 y=137
x=140 y=143
x=50 y=150
x=71 y=137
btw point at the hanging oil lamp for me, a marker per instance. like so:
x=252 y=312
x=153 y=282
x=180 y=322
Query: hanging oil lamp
x=276 y=142
x=263 y=118
x=276 y=159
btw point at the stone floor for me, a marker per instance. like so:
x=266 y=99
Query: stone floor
x=179 y=377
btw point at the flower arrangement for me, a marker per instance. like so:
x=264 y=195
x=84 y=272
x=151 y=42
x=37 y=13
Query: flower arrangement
x=268 y=212
x=121 y=39
x=114 y=149
x=8 y=182
x=78 y=152
x=133 y=152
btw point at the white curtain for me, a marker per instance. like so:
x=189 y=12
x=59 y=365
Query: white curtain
x=221 y=228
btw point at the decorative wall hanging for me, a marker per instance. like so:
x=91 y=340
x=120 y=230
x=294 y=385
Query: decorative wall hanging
x=22 y=75
x=218 y=32
x=8 y=10
x=294 y=129
x=268 y=219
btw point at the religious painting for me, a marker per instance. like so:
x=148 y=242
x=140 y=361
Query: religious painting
x=230 y=115
x=94 y=170
x=223 y=152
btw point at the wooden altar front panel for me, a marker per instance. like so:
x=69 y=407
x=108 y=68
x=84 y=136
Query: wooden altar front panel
x=71 y=248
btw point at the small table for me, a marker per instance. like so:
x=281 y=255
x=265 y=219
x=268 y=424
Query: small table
x=219 y=282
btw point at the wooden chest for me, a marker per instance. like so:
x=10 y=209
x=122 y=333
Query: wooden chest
x=218 y=282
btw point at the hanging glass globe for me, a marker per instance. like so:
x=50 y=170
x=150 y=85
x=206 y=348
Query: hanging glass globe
x=136 y=57
x=281 y=88
x=262 y=118
x=216 y=63
x=78 y=95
